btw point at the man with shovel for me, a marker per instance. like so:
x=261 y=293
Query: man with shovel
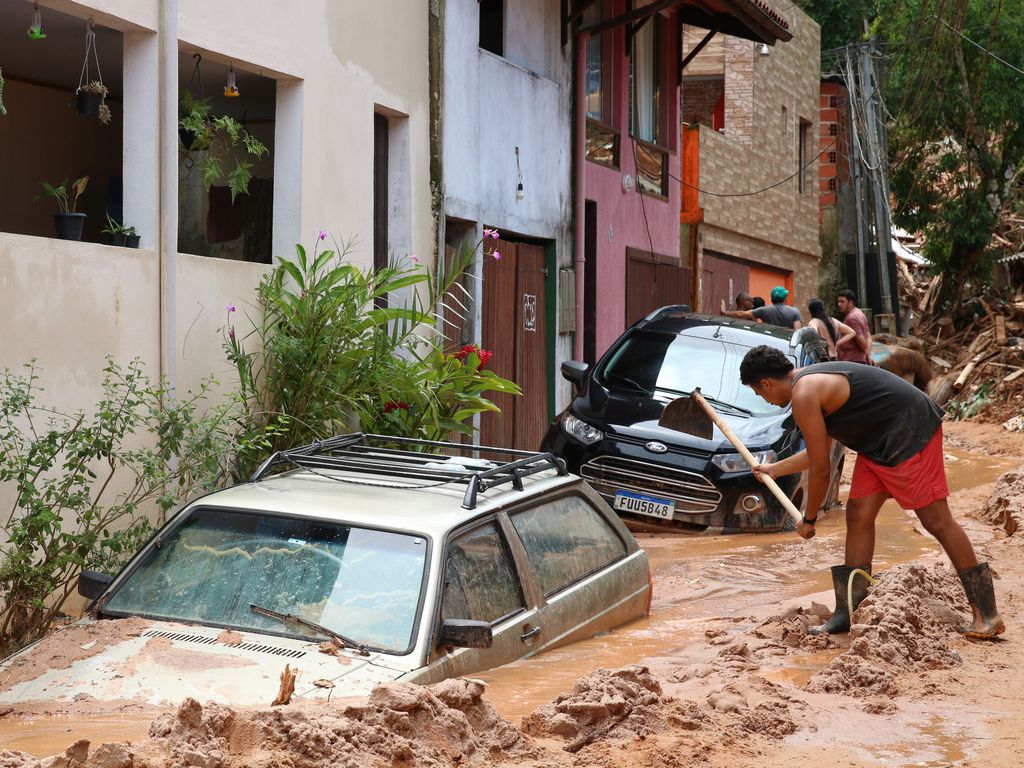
x=896 y=431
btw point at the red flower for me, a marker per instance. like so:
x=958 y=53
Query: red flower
x=484 y=355
x=394 y=405
x=472 y=349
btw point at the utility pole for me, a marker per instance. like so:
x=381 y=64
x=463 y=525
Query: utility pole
x=878 y=171
x=858 y=182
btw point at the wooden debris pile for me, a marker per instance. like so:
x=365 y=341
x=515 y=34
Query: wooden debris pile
x=977 y=355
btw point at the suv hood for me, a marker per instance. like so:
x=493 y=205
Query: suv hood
x=162 y=662
x=637 y=418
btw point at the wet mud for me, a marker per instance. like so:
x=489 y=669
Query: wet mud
x=723 y=673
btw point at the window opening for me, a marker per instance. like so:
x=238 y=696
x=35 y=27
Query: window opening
x=832 y=157
x=647 y=87
x=380 y=197
x=492 y=26
x=832 y=184
x=833 y=129
x=226 y=183
x=805 y=129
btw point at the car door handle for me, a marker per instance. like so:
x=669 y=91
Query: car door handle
x=529 y=634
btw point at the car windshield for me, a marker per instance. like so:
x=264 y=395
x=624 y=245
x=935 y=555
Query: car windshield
x=359 y=582
x=649 y=361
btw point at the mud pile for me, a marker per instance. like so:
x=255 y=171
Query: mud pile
x=399 y=725
x=61 y=649
x=1005 y=507
x=906 y=623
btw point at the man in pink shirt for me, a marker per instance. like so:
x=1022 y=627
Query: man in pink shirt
x=855 y=351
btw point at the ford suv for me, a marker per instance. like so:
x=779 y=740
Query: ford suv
x=655 y=476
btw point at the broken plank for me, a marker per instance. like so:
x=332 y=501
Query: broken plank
x=1014 y=376
x=1000 y=329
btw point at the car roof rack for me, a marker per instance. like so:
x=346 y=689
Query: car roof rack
x=399 y=457
x=673 y=310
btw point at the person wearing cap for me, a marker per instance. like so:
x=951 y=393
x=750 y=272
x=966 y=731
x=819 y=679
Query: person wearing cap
x=778 y=313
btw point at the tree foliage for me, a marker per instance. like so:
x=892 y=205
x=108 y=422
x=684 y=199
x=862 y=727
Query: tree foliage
x=957 y=138
x=841 y=22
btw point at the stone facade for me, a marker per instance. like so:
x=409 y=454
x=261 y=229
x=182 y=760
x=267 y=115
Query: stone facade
x=771 y=100
x=699 y=99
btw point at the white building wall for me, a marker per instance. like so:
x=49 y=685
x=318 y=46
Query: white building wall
x=493 y=104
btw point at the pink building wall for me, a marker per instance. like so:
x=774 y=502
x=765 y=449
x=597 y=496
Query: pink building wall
x=621 y=220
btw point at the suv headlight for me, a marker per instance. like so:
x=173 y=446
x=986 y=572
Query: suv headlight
x=580 y=430
x=733 y=462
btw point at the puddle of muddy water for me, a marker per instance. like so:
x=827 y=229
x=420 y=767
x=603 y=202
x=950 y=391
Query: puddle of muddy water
x=696 y=577
x=44 y=736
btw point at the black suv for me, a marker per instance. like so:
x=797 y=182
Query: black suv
x=610 y=435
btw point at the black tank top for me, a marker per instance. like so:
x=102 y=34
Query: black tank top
x=886 y=418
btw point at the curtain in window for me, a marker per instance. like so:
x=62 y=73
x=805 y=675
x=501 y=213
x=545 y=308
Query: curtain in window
x=645 y=82
x=595 y=65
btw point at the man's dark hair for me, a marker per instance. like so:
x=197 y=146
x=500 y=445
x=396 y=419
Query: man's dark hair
x=849 y=295
x=758 y=302
x=764 y=362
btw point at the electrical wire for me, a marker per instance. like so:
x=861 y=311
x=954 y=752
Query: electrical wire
x=763 y=189
x=980 y=47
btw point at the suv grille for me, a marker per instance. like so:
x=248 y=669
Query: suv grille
x=692 y=493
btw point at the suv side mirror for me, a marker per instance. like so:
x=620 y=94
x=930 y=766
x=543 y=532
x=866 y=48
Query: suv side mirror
x=91 y=584
x=465 y=633
x=575 y=371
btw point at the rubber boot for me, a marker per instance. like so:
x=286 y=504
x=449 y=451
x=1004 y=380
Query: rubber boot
x=840 y=619
x=977 y=583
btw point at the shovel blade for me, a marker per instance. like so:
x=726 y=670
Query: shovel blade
x=684 y=414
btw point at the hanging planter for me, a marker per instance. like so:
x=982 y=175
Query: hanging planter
x=91 y=95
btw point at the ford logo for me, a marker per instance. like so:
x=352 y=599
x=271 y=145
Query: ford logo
x=655 y=447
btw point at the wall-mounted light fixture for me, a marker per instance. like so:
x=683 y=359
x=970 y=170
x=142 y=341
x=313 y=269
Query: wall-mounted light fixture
x=765 y=50
x=520 y=193
x=231 y=90
x=35 y=29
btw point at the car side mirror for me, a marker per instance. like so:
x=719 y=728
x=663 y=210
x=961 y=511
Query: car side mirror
x=465 y=633
x=575 y=371
x=91 y=584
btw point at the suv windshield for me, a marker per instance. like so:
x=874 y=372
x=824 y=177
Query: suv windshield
x=362 y=583
x=649 y=361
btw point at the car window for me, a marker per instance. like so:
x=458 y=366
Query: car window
x=362 y=583
x=480 y=580
x=566 y=539
x=649 y=361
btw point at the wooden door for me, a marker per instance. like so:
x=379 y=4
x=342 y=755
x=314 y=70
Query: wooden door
x=515 y=330
x=723 y=279
x=653 y=282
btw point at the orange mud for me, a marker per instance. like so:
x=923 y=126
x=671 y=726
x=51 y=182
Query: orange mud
x=722 y=674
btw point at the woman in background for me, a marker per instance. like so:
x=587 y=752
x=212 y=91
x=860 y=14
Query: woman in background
x=831 y=330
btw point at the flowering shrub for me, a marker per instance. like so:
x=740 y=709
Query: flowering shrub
x=332 y=355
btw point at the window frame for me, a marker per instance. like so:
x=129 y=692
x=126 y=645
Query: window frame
x=525 y=592
x=172 y=525
x=567 y=493
x=663 y=83
x=479 y=41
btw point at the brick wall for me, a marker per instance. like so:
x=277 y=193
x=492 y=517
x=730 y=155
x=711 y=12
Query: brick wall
x=778 y=227
x=699 y=99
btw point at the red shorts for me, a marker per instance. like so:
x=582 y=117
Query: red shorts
x=915 y=483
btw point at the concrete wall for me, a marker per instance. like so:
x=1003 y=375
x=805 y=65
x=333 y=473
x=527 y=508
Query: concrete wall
x=778 y=227
x=490 y=106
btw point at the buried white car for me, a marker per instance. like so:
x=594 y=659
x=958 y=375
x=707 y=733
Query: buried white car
x=367 y=560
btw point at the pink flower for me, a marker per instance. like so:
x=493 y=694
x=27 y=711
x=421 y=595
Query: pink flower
x=414 y=258
x=496 y=255
x=231 y=307
x=491 y=233
x=323 y=234
x=231 y=333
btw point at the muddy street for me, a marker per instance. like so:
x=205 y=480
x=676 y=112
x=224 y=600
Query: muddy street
x=698 y=578
x=722 y=672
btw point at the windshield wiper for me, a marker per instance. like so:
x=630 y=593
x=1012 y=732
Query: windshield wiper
x=628 y=381
x=710 y=399
x=290 y=618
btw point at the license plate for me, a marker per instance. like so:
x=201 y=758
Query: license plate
x=641 y=504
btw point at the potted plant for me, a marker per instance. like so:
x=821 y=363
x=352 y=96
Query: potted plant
x=90 y=100
x=120 y=234
x=68 y=222
x=223 y=139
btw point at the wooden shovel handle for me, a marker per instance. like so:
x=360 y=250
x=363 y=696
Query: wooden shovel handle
x=777 y=492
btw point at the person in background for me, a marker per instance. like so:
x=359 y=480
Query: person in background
x=855 y=351
x=758 y=302
x=744 y=301
x=831 y=330
x=779 y=313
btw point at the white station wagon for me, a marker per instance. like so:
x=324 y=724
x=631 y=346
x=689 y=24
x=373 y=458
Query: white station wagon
x=413 y=560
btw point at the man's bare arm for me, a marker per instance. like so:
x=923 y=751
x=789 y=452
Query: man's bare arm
x=807 y=412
